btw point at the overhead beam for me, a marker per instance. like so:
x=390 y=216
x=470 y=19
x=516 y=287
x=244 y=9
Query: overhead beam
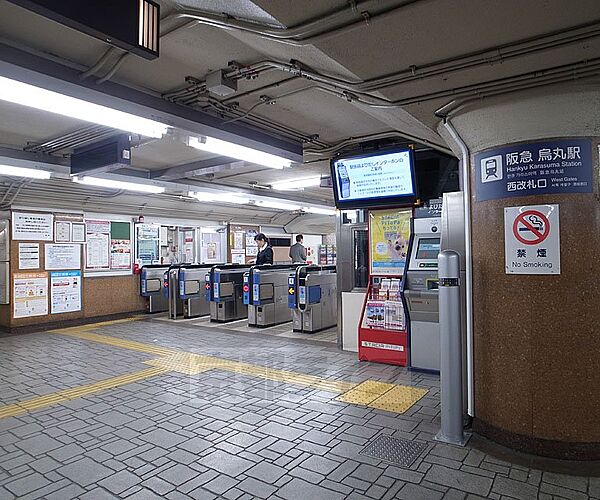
x=36 y=70
x=199 y=167
x=20 y=158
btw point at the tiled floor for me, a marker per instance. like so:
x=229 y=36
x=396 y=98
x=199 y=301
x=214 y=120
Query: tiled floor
x=251 y=421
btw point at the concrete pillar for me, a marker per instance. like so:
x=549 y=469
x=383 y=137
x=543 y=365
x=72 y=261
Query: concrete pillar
x=537 y=338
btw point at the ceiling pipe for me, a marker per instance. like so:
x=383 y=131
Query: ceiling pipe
x=308 y=33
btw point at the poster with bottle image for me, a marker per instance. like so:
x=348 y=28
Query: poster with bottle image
x=389 y=232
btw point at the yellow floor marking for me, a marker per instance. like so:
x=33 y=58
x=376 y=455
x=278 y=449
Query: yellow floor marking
x=399 y=399
x=77 y=392
x=366 y=392
x=381 y=395
x=117 y=342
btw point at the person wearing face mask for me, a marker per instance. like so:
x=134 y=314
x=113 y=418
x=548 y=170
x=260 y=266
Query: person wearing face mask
x=265 y=252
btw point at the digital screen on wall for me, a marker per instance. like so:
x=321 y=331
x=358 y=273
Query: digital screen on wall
x=376 y=180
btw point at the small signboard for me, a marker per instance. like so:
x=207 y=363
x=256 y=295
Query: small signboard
x=563 y=166
x=532 y=239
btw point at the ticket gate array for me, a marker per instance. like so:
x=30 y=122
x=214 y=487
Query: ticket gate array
x=421 y=294
x=226 y=295
x=152 y=279
x=265 y=294
x=312 y=297
x=187 y=291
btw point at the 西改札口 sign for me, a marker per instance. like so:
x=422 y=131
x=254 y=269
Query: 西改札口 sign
x=561 y=166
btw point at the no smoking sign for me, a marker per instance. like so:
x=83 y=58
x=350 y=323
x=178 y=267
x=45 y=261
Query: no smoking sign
x=532 y=239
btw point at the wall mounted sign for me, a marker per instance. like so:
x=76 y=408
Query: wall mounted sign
x=29 y=255
x=32 y=227
x=30 y=295
x=562 y=166
x=65 y=292
x=532 y=240
x=62 y=256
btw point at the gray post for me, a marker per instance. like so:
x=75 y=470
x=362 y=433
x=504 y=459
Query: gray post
x=450 y=350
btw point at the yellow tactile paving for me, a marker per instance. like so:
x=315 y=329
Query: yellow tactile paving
x=381 y=395
x=77 y=392
x=398 y=399
x=366 y=392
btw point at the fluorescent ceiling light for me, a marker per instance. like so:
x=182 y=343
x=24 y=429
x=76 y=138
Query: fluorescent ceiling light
x=319 y=211
x=114 y=184
x=296 y=184
x=24 y=172
x=244 y=153
x=224 y=197
x=53 y=102
x=279 y=205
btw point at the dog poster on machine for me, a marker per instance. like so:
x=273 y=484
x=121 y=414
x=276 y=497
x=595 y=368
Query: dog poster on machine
x=389 y=232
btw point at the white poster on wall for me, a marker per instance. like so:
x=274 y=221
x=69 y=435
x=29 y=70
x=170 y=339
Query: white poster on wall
x=62 y=232
x=62 y=256
x=65 y=292
x=78 y=232
x=32 y=227
x=29 y=255
x=98 y=244
x=238 y=258
x=30 y=295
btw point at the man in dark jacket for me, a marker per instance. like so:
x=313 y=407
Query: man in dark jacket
x=298 y=251
x=265 y=252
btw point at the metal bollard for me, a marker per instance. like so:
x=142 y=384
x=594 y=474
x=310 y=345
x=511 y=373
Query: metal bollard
x=450 y=350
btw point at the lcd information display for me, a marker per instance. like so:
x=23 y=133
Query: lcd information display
x=384 y=179
x=428 y=248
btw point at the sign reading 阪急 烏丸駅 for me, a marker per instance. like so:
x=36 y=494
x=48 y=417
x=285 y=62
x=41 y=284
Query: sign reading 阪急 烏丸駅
x=550 y=167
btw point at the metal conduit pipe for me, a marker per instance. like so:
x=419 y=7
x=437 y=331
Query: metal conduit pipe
x=101 y=62
x=307 y=33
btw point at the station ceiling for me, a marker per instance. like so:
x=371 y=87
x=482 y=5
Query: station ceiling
x=434 y=52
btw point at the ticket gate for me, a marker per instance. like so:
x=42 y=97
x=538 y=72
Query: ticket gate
x=226 y=294
x=421 y=295
x=191 y=291
x=312 y=296
x=151 y=287
x=265 y=294
x=171 y=289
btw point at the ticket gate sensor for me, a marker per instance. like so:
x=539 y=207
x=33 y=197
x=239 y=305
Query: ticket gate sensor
x=265 y=294
x=421 y=295
x=192 y=290
x=312 y=296
x=226 y=293
x=151 y=287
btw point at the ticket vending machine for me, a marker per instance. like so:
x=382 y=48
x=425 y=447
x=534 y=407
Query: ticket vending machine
x=421 y=294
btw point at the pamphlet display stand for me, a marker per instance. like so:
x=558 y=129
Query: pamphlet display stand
x=382 y=332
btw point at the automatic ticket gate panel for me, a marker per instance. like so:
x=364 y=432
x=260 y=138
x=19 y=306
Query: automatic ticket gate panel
x=192 y=290
x=265 y=293
x=227 y=293
x=151 y=287
x=421 y=295
x=312 y=296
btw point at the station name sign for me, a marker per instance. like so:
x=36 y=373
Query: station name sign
x=562 y=166
x=132 y=25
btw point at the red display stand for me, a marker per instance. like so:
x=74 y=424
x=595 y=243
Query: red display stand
x=382 y=333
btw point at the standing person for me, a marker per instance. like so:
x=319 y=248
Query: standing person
x=298 y=251
x=265 y=252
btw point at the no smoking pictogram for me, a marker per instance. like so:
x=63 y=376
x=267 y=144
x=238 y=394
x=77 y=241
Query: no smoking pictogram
x=531 y=227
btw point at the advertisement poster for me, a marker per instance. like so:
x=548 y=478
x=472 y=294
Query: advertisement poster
x=62 y=256
x=389 y=232
x=98 y=242
x=30 y=292
x=238 y=240
x=147 y=244
x=120 y=254
x=62 y=232
x=32 y=227
x=211 y=251
x=65 y=292
x=29 y=255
